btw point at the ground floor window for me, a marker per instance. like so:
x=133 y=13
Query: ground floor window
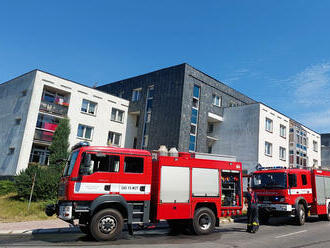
x=39 y=154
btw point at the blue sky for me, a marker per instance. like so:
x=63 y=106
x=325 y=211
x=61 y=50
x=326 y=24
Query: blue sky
x=276 y=52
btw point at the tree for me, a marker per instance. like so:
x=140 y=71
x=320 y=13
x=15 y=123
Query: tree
x=60 y=144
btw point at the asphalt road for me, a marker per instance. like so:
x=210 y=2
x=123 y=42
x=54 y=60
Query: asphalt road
x=278 y=233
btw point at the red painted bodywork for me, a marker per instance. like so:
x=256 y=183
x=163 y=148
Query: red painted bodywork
x=151 y=175
x=290 y=199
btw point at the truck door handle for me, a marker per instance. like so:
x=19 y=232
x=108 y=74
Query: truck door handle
x=107 y=187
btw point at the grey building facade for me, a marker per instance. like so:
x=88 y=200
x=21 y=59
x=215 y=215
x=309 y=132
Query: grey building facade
x=325 y=150
x=178 y=106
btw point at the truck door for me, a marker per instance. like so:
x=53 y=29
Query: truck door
x=97 y=171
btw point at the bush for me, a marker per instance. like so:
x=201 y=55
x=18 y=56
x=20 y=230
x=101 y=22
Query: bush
x=7 y=187
x=46 y=182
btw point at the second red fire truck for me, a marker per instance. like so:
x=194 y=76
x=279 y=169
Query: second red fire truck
x=105 y=187
x=292 y=192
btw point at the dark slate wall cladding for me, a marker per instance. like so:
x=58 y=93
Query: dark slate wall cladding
x=209 y=86
x=164 y=126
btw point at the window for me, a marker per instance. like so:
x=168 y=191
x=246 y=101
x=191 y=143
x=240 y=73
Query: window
x=134 y=143
x=151 y=91
x=304 y=179
x=216 y=100
x=195 y=103
x=194 y=114
x=193 y=129
x=282 y=131
x=100 y=162
x=136 y=94
x=137 y=120
x=117 y=115
x=133 y=165
x=233 y=104
x=268 y=148
x=196 y=91
x=85 y=132
x=114 y=138
x=282 y=153
x=210 y=128
x=88 y=107
x=192 y=143
x=269 y=125
x=209 y=149
x=314 y=163
x=292 y=180
x=315 y=146
x=148 y=118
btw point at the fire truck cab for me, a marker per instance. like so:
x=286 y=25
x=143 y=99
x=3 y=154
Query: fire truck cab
x=106 y=187
x=292 y=192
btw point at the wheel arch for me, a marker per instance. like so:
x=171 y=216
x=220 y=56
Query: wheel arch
x=110 y=201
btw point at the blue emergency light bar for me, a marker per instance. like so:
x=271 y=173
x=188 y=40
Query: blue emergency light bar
x=80 y=144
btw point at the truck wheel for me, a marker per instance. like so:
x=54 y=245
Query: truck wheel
x=106 y=224
x=263 y=218
x=204 y=221
x=85 y=229
x=301 y=215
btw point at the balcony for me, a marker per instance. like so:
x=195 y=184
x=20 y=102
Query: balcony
x=54 y=108
x=45 y=136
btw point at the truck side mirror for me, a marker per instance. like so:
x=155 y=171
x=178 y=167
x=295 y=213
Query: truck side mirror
x=85 y=164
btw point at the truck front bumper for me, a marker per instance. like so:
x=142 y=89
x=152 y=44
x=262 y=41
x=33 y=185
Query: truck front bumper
x=275 y=207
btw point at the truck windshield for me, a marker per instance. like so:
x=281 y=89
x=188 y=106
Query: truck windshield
x=269 y=180
x=70 y=164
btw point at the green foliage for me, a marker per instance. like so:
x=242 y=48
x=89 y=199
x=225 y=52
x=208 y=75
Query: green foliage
x=60 y=144
x=7 y=187
x=46 y=182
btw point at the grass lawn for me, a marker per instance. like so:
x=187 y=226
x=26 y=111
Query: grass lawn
x=14 y=210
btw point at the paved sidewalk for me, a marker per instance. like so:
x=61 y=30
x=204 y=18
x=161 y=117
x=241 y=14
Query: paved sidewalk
x=31 y=227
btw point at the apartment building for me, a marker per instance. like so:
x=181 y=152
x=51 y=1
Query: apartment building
x=178 y=106
x=255 y=134
x=33 y=104
x=305 y=146
x=325 y=150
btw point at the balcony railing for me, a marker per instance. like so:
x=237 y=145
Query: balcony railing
x=53 y=108
x=43 y=135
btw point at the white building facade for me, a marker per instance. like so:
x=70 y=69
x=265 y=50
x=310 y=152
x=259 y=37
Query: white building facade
x=255 y=134
x=36 y=101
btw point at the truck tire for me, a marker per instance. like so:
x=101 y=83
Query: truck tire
x=204 y=221
x=263 y=218
x=301 y=215
x=85 y=229
x=107 y=224
x=326 y=217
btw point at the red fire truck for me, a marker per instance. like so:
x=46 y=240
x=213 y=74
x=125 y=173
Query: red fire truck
x=292 y=192
x=105 y=187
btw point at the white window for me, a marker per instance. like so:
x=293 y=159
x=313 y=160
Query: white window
x=114 y=138
x=136 y=94
x=117 y=115
x=314 y=163
x=269 y=125
x=268 y=148
x=216 y=100
x=315 y=146
x=88 y=107
x=233 y=104
x=282 y=153
x=85 y=132
x=148 y=118
x=283 y=131
x=192 y=129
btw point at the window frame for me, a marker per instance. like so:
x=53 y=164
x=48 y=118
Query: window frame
x=136 y=94
x=281 y=148
x=271 y=149
x=271 y=125
x=84 y=132
x=88 y=107
x=282 y=127
x=214 y=100
x=114 y=138
x=124 y=169
x=117 y=111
